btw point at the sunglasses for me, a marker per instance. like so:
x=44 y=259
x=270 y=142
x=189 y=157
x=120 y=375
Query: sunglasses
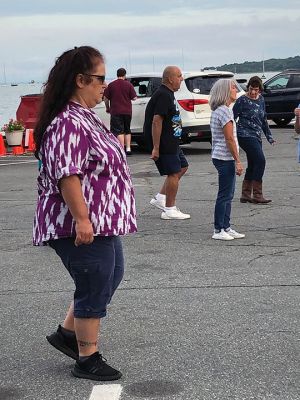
x=101 y=78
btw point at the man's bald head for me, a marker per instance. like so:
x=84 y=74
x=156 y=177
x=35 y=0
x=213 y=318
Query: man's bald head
x=168 y=72
x=172 y=77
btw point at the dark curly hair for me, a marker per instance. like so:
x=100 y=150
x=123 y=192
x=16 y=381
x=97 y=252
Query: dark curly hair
x=61 y=85
x=255 y=82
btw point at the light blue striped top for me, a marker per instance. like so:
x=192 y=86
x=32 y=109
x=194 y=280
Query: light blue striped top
x=219 y=118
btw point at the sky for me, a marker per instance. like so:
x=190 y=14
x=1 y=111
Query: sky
x=143 y=35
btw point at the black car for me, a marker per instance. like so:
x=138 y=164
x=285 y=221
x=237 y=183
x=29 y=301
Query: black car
x=282 y=96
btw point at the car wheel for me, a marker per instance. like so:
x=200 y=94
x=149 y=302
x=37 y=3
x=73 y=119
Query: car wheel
x=282 y=122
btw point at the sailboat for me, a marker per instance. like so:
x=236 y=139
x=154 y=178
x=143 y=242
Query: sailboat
x=4 y=75
x=263 y=66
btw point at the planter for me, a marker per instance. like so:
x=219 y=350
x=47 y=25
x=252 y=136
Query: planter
x=14 y=138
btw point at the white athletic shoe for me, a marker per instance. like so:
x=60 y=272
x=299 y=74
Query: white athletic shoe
x=234 y=234
x=222 y=235
x=161 y=204
x=174 y=214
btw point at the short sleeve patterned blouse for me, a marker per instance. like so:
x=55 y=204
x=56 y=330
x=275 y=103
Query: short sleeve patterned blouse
x=77 y=143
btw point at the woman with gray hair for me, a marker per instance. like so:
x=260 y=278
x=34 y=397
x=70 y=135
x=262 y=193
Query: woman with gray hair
x=225 y=155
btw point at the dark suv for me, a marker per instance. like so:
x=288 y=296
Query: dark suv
x=282 y=96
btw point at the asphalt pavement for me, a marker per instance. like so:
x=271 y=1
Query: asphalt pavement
x=193 y=318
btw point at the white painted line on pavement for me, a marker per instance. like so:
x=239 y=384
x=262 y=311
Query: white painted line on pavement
x=22 y=162
x=106 y=392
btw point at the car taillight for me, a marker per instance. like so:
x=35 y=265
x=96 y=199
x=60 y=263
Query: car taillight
x=189 y=104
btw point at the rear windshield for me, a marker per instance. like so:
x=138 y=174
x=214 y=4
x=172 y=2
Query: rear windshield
x=203 y=84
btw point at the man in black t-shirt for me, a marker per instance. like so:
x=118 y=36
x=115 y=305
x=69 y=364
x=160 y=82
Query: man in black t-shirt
x=162 y=130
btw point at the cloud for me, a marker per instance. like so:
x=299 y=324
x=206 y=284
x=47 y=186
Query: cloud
x=135 y=7
x=143 y=34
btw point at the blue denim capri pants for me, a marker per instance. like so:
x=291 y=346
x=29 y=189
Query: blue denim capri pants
x=96 y=269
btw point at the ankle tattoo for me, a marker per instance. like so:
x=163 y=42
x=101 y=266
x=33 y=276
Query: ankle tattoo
x=83 y=343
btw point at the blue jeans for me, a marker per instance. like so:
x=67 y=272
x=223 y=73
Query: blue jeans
x=226 y=172
x=255 y=158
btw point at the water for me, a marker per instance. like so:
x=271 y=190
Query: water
x=10 y=95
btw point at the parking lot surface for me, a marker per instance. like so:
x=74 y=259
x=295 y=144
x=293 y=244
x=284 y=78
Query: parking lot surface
x=193 y=319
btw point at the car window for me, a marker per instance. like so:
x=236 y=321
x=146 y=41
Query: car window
x=203 y=84
x=280 y=82
x=154 y=84
x=145 y=87
x=294 y=82
x=141 y=86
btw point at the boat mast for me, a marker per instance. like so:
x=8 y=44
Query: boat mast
x=263 y=68
x=4 y=74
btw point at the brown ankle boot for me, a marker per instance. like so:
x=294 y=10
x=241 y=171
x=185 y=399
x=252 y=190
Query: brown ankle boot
x=258 y=197
x=246 y=192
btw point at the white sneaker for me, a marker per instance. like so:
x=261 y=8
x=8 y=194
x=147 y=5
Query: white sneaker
x=174 y=214
x=222 y=235
x=161 y=204
x=234 y=234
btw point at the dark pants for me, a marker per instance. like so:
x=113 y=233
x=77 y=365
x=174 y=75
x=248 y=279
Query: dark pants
x=120 y=124
x=226 y=171
x=169 y=164
x=255 y=157
x=97 y=270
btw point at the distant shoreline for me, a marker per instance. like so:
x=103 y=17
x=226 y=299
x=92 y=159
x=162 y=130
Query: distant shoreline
x=270 y=65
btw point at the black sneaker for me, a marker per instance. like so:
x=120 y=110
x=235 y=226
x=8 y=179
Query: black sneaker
x=63 y=343
x=95 y=368
x=128 y=152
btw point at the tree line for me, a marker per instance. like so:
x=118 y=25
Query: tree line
x=272 y=64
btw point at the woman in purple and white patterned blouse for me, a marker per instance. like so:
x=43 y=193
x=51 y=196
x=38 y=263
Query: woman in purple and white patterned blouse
x=85 y=202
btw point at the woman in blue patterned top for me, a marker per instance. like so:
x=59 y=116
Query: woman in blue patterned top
x=250 y=113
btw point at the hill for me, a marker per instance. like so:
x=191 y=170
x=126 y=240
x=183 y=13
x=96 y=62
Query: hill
x=272 y=64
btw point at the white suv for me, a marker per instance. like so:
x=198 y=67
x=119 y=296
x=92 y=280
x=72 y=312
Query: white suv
x=192 y=98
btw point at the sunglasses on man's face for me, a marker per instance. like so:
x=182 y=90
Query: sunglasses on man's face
x=100 y=78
